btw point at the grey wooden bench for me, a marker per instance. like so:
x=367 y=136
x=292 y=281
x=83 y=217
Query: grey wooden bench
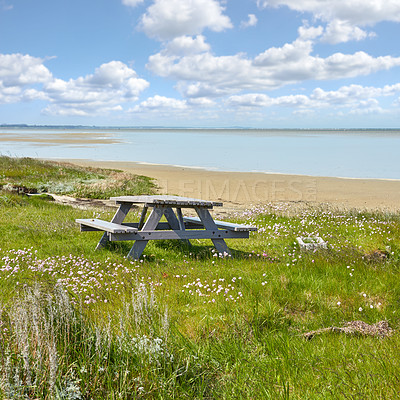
x=220 y=224
x=100 y=225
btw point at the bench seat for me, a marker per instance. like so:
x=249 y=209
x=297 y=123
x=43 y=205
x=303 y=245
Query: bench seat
x=222 y=224
x=94 y=224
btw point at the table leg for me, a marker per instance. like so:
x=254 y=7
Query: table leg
x=142 y=217
x=180 y=219
x=175 y=223
x=171 y=218
x=151 y=223
x=209 y=224
x=118 y=219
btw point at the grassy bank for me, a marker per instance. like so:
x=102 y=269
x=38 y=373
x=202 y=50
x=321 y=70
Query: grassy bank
x=30 y=175
x=187 y=323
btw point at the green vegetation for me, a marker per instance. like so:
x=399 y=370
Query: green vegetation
x=187 y=323
x=31 y=175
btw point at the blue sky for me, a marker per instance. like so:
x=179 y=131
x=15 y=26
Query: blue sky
x=202 y=63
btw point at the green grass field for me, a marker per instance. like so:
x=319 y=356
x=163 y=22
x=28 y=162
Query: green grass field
x=184 y=322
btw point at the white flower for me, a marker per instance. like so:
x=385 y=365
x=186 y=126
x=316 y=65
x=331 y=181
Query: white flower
x=338 y=303
x=360 y=309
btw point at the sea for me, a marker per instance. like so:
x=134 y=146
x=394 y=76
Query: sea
x=371 y=153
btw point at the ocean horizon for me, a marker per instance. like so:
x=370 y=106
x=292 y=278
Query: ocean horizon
x=350 y=153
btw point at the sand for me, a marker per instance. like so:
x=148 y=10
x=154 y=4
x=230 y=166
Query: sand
x=60 y=138
x=238 y=190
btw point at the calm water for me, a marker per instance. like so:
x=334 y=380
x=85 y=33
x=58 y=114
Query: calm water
x=347 y=153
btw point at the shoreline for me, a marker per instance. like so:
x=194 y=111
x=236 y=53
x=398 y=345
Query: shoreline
x=205 y=169
x=239 y=190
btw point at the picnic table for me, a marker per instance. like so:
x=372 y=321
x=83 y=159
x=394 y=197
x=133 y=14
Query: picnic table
x=176 y=226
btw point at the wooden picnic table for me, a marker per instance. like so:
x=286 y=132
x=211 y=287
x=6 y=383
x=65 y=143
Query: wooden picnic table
x=176 y=227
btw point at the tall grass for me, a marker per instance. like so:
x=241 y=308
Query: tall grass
x=52 y=350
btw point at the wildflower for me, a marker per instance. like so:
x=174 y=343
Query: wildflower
x=338 y=303
x=360 y=309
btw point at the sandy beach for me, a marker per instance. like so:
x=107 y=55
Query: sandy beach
x=58 y=138
x=244 y=189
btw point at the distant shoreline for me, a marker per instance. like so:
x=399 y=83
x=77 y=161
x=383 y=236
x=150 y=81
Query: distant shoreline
x=95 y=127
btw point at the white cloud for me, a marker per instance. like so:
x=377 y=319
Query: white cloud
x=356 y=12
x=160 y=103
x=252 y=21
x=210 y=74
x=186 y=45
x=309 y=33
x=290 y=53
x=357 y=99
x=347 y=95
x=25 y=78
x=341 y=31
x=202 y=90
x=18 y=73
x=206 y=75
x=370 y=106
x=111 y=85
x=168 y=19
x=344 y=18
x=201 y=102
x=251 y=100
x=169 y=109
x=20 y=70
x=132 y=3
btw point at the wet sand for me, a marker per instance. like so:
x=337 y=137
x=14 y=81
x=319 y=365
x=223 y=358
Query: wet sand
x=60 y=138
x=244 y=189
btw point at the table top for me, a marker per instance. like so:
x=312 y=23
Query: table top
x=166 y=200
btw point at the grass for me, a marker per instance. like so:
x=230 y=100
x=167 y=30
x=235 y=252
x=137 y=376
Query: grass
x=32 y=175
x=186 y=323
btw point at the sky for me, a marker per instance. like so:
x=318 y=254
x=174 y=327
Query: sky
x=201 y=63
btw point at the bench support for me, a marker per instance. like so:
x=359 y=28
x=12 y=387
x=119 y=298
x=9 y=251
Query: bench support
x=118 y=219
x=209 y=224
x=151 y=224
